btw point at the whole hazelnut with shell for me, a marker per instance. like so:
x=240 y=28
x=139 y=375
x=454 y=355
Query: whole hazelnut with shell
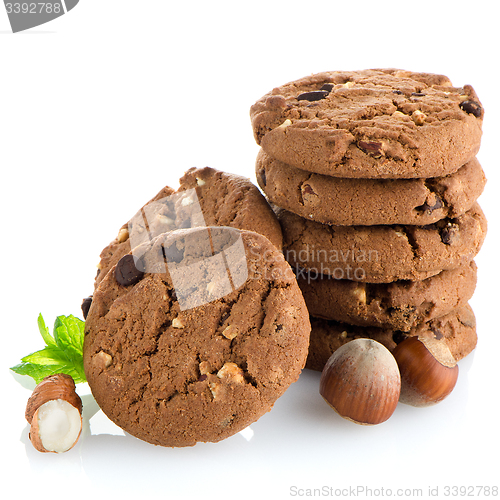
x=361 y=382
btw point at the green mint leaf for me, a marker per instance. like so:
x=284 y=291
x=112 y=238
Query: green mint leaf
x=44 y=331
x=39 y=372
x=63 y=352
x=50 y=355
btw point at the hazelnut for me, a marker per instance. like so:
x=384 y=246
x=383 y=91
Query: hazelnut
x=103 y=359
x=428 y=370
x=177 y=323
x=230 y=332
x=232 y=372
x=361 y=382
x=418 y=117
x=286 y=123
x=123 y=235
x=54 y=412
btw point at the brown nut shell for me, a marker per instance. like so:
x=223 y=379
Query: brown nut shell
x=58 y=386
x=361 y=382
x=428 y=370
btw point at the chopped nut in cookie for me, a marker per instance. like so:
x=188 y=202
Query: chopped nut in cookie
x=177 y=323
x=122 y=235
x=418 y=117
x=232 y=372
x=286 y=123
x=230 y=332
x=103 y=359
x=204 y=368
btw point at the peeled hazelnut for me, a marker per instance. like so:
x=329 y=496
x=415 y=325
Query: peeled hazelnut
x=123 y=235
x=361 y=382
x=54 y=412
x=428 y=370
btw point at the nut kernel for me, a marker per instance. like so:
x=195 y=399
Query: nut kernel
x=177 y=323
x=418 y=117
x=122 y=235
x=187 y=201
x=103 y=359
x=230 y=332
x=164 y=219
x=286 y=123
x=200 y=182
x=215 y=389
x=231 y=371
x=360 y=294
x=204 y=368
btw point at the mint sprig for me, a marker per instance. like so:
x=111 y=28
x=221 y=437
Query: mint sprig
x=63 y=352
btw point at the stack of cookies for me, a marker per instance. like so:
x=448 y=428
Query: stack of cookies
x=374 y=178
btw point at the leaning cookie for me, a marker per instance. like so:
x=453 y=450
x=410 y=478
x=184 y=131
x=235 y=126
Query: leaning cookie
x=457 y=329
x=206 y=197
x=400 y=305
x=383 y=123
x=348 y=202
x=382 y=254
x=193 y=336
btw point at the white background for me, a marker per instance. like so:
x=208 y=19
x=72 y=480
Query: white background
x=100 y=109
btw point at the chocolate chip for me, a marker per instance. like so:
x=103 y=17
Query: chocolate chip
x=437 y=333
x=398 y=92
x=307 y=189
x=430 y=208
x=327 y=86
x=173 y=254
x=87 y=302
x=417 y=94
x=202 y=378
x=315 y=95
x=127 y=271
x=449 y=234
x=262 y=174
x=373 y=148
x=472 y=107
x=398 y=337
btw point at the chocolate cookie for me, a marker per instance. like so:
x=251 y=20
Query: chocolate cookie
x=457 y=329
x=194 y=335
x=382 y=254
x=379 y=123
x=206 y=197
x=399 y=305
x=347 y=202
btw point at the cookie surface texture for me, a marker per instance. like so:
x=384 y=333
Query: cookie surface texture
x=456 y=329
x=400 y=305
x=348 y=202
x=205 y=197
x=212 y=333
x=382 y=254
x=381 y=123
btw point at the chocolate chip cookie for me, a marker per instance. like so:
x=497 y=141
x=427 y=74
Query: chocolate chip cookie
x=457 y=329
x=378 y=123
x=400 y=305
x=205 y=197
x=347 y=202
x=194 y=335
x=382 y=254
